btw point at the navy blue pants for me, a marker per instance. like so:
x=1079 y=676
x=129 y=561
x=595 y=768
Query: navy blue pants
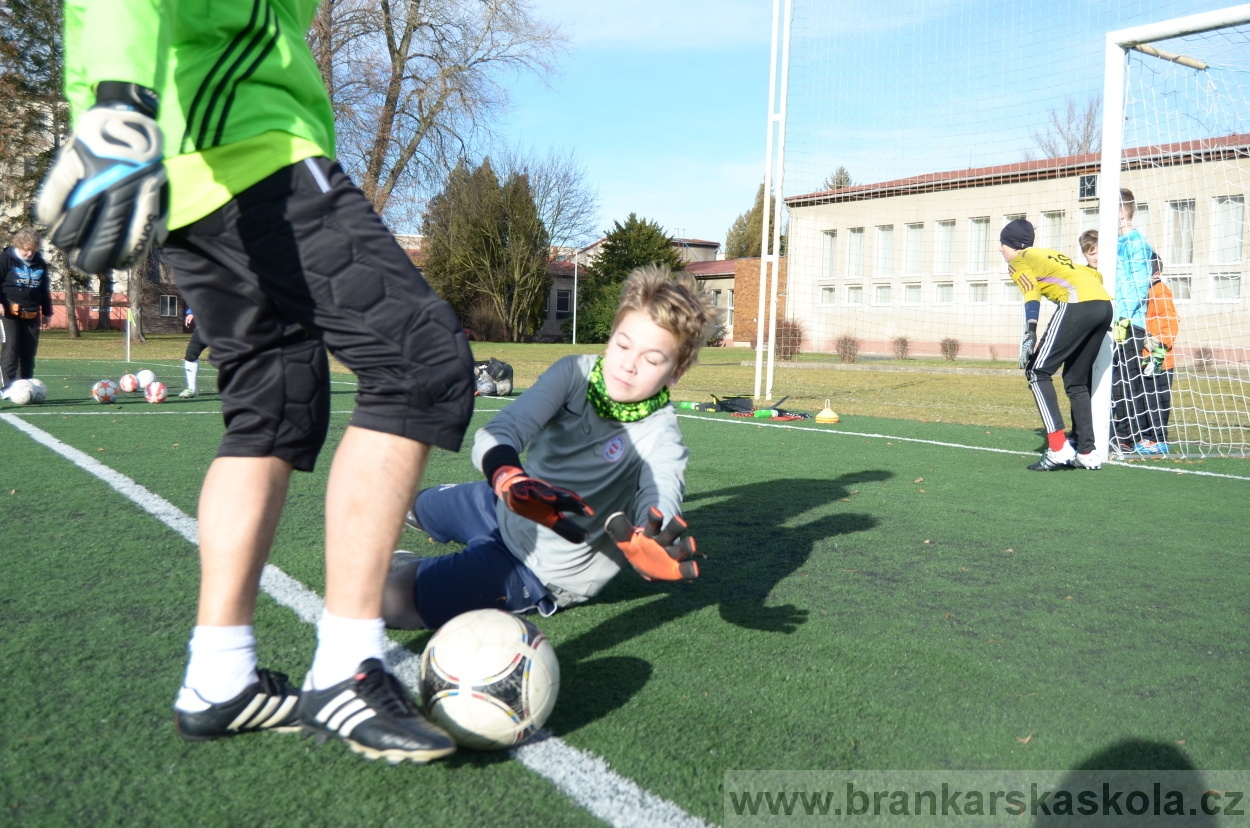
x=485 y=574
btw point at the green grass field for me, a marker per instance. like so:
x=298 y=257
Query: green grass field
x=883 y=594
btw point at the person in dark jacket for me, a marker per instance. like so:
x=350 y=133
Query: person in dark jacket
x=26 y=294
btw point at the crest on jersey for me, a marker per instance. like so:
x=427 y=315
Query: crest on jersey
x=614 y=449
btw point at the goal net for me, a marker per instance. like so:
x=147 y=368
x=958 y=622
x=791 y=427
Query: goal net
x=915 y=133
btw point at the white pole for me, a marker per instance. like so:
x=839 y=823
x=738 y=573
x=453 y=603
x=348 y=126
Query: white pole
x=768 y=183
x=575 y=297
x=780 y=205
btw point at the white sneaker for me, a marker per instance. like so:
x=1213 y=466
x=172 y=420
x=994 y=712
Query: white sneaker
x=1053 y=460
x=1089 y=461
x=189 y=392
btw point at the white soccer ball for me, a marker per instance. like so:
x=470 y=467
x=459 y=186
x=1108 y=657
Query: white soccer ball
x=104 y=391
x=129 y=383
x=489 y=678
x=21 y=392
x=41 y=389
x=155 y=392
x=145 y=378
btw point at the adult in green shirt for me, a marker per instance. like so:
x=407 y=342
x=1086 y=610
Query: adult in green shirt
x=209 y=123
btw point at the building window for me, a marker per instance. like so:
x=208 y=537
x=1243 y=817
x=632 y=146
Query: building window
x=1227 y=286
x=884 y=264
x=944 y=249
x=729 y=313
x=1182 y=288
x=564 y=304
x=1089 y=218
x=913 y=249
x=1052 y=230
x=827 y=294
x=829 y=256
x=169 y=306
x=716 y=298
x=1010 y=293
x=911 y=294
x=1141 y=218
x=945 y=292
x=1087 y=186
x=855 y=294
x=979 y=244
x=855 y=253
x=1227 y=220
x=881 y=295
x=1180 y=232
x=978 y=292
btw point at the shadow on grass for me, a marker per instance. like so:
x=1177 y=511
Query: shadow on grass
x=754 y=539
x=1143 y=773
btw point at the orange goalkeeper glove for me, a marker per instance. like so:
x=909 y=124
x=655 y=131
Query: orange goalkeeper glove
x=541 y=502
x=657 y=555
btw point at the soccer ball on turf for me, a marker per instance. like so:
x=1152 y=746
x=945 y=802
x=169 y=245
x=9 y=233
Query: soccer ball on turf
x=129 y=383
x=21 y=392
x=145 y=378
x=155 y=392
x=104 y=391
x=489 y=678
x=41 y=389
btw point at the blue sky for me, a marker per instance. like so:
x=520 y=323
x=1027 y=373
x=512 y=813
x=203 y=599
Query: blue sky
x=664 y=103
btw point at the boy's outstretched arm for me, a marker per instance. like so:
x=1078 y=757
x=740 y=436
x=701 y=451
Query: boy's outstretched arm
x=533 y=498
x=658 y=555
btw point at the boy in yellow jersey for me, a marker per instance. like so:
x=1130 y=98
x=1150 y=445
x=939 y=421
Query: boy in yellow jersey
x=1071 y=341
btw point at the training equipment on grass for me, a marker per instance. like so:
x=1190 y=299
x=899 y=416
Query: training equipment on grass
x=41 y=389
x=489 y=678
x=129 y=383
x=155 y=392
x=21 y=392
x=145 y=378
x=104 y=391
x=827 y=414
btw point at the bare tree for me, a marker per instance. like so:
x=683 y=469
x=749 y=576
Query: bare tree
x=1072 y=131
x=415 y=84
x=567 y=205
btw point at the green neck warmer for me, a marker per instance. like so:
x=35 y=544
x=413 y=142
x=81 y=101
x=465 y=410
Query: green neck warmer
x=610 y=409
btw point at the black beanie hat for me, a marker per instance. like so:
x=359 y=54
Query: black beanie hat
x=1017 y=235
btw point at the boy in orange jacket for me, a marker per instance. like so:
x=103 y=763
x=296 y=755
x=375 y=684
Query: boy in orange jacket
x=1158 y=361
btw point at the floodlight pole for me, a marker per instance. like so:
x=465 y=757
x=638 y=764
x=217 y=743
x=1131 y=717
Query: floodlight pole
x=574 y=296
x=772 y=222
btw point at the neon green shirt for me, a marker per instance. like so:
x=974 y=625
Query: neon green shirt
x=240 y=94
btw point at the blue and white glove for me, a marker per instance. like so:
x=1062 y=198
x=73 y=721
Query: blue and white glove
x=105 y=199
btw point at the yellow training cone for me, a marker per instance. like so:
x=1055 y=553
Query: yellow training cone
x=826 y=415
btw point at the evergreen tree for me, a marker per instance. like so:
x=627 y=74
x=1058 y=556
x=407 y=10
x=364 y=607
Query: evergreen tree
x=839 y=178
x=633 y=244
x=743 y=239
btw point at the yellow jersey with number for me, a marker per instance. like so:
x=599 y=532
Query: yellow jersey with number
x=1040 y=272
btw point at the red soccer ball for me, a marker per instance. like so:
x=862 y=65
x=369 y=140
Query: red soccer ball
x=155 y=392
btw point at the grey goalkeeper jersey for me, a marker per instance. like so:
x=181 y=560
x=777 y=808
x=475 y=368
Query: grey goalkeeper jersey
x=614 y=466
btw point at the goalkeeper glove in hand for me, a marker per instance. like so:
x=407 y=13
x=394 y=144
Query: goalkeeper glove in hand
x=1152 y=343
x=541 y=502
x=1120 y=330
x=105 y=197
x=1026 y=348
x=657 y=555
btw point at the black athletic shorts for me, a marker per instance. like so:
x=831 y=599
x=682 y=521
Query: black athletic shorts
x=300 y=263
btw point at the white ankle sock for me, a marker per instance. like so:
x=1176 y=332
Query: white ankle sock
x=342 y=643
x=222 y=664
x=191 y=369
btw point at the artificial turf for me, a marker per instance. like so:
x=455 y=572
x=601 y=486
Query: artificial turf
x=867 y=603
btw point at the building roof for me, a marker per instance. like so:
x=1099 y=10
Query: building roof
x=704 y=270
x=696 y=242
x=1165 y=155
x=562 y=267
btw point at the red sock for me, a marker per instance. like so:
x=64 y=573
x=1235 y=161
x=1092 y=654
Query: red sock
x=1057 y=439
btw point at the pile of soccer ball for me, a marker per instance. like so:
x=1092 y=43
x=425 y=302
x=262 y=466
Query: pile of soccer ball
x=105 y=391
x=27 y=391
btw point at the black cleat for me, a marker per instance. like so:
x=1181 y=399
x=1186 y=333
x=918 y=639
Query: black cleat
x=267 y=704
x=1055 y=460
x=375 y=715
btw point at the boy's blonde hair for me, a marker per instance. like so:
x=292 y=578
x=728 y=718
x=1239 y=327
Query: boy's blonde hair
x=672 y=301
x=26 y=237
x=1088 y=240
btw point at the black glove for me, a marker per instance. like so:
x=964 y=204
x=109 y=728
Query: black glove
x=105 y=197
x=1026 y=348
x=656 y=555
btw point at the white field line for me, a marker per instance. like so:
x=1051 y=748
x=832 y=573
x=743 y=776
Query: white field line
x=581 y=776
x=1134 y=466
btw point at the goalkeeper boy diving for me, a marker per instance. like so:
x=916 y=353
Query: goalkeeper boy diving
x=600 y=488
